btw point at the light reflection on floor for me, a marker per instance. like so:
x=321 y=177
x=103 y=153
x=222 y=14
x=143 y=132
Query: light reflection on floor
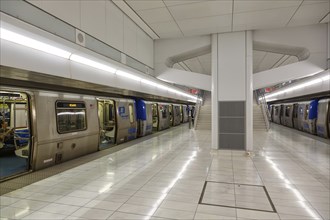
x=163 y=178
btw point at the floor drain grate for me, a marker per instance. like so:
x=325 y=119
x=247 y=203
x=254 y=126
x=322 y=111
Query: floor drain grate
x=235 y=195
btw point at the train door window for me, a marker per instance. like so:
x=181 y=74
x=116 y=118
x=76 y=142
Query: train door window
x=287 y=111
x=164 y=112
x=15 y=133
x=171 y=114
x=181 y=113
x=295 y=111
x=276 y=110
x=154 y=116
x=306 y=111
x=131 y=113
x=71 y=116
x=106 y=114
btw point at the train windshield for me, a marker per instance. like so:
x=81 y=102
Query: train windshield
x=14 y=133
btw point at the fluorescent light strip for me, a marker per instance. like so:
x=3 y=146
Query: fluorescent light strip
x=128 y=75
x=302 y=85
x=88 y=62
x=31 y=43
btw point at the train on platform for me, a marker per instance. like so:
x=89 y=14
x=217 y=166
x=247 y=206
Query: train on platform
x=42 y=128
x=309 y=116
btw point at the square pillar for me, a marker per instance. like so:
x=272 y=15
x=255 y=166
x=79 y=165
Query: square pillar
x=232 y=107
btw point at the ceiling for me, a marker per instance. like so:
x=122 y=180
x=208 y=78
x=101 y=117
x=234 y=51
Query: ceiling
x=181 y=18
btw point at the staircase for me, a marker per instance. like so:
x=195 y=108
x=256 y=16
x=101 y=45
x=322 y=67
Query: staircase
x=258 y=118
x=204 y=116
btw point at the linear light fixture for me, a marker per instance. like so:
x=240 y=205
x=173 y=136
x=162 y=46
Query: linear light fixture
x=299 y=86
x=128 y=75
x=148 y=82
x=31 y=43
x=92 y=63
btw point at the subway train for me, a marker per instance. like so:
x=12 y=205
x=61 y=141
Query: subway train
x=308 y=116
x=42 y=128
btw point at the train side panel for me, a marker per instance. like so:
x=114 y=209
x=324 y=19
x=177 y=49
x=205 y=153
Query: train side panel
x=67 y=127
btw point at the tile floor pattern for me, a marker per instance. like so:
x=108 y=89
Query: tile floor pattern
x=163 y=177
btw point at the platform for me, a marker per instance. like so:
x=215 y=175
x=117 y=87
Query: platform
x=176 y=175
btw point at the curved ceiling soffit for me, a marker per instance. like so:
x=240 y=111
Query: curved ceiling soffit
x=301 y=53
x=170 y=61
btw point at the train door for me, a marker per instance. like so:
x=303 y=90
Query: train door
x=328 y=119
x=155 y=120
x=305 y=118
x=107 y=122
x=295 y=116
x=181 y=114
x=171 y=111
x=15 y=135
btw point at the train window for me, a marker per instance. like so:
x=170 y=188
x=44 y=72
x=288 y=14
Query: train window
x=276 y=110
x=164 y=112
x=131 y=113
x=71 y=116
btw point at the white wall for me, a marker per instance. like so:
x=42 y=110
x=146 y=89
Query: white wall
x=231 y=66
x=103 y=20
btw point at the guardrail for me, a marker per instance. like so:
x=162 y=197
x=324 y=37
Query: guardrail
x=261 y=100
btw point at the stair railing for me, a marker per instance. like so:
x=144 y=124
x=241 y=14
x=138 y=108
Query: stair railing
x=261 y=100
x=197 y=110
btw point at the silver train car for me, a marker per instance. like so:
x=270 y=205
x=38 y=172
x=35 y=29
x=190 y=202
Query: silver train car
x=309 y=116
x=39 y=128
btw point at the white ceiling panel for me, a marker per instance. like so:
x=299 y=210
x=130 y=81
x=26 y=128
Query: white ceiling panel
x=205 y=25
x=263 y=19
x=258 y=56
x=269 y=60
x=201 y=9
x=291 y=59
x=250 y=6
x=177 y=66
x=205 y=61
x=194 y=65
x=143 y=5
x=155 y=15
x=326 y=19
x=200 y=17
x=180 y=2
x=166 y=29
x=310 y=13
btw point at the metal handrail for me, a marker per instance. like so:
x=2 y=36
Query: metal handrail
x=197 y=109
x=261 y=100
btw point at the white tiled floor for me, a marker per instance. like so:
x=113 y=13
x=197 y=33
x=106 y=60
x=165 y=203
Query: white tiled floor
x=163 y=178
